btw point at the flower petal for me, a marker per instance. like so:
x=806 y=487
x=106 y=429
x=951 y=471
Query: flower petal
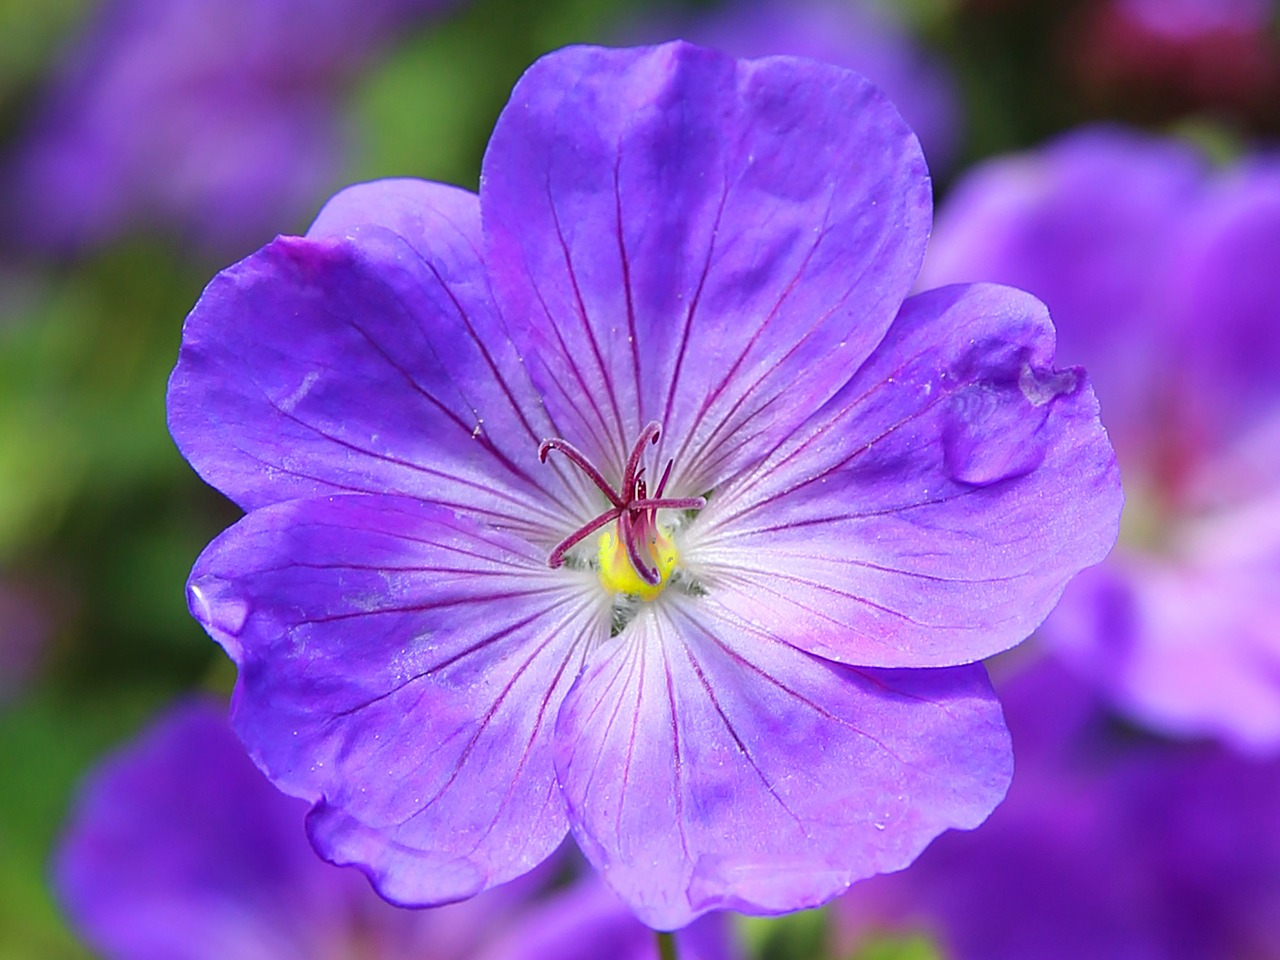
x=369 y=362
x=1187 y=644
x=399 y=667
x=179 y=848
x=708 y=765
x=709 y=243
x=932 y=513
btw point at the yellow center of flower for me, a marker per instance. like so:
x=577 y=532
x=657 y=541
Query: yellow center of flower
x=618 y=575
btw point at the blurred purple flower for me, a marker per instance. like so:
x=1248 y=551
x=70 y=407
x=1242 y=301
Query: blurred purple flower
x=180 y=850
x=435 y=645
x=218 y=118
x=856 y=34
x=1110 y=844
x=1161 y=278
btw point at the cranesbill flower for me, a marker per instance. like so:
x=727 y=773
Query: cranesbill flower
x=179 y=849
x=630 y=498
x=1160 y=277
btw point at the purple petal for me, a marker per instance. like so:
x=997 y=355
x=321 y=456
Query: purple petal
x=371 y=364
x=1187 y=643
x=707 y=243
x=400 y=667
x=933 y=511
x=708 y=765
x=1223 y=293
x=180 y=850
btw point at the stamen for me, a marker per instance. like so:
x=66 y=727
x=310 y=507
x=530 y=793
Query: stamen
x=556 y=557
x=648 y=435
x=633 y=509
x=585 y=465
x=669 y=503
x=634 y=539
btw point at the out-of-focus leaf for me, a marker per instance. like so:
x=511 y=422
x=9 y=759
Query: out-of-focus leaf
x=917 y=947
x=795 y=936
x=29 y=33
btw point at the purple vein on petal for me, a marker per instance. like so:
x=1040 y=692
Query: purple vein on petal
x=762 y=584
x=677 y=768
x=733 y=733
x=619 y=438
x=637 y=655
x=454 y=659
x=579 y=647
x=797 y=695
x=692 y=310
x=552 y=637
x=767 y=466
x=632 y=339
x=444 y=409
x=701 y=456
x=752 y=506
x=528 y=502
x=494 y=370
x=585 y=396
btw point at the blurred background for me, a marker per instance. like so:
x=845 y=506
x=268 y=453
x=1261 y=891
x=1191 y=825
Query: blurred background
x=1113 y=156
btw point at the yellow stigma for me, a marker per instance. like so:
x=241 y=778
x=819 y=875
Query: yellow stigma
x=617 y=575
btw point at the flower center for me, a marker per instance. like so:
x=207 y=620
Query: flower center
x=635 y=555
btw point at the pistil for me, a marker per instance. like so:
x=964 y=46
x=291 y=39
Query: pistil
x=649 y=550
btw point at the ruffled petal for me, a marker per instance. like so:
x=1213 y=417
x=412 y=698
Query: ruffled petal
x=708 y=765
x=400 y=667
x=932 y=513
x=707 y=243
x=363 y=359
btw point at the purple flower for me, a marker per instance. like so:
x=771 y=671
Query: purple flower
x=219 y=118
x=856 y=34
x=1110 y=844
x=179 y=849
x=726 y=631
x=1160 y=277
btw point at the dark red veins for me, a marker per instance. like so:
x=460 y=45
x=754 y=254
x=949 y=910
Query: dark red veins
x=632 y=507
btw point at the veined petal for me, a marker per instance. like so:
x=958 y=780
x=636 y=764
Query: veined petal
x=933 y=511
x=368 y=361
x=398 y=661
x=707 y=243
x=708 y=765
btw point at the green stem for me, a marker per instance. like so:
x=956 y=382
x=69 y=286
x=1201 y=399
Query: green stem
x=667 y=946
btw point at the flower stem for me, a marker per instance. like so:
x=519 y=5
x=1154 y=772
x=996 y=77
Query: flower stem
x=667 y=946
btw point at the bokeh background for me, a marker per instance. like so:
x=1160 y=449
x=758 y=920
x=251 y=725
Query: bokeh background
x=145 y=144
